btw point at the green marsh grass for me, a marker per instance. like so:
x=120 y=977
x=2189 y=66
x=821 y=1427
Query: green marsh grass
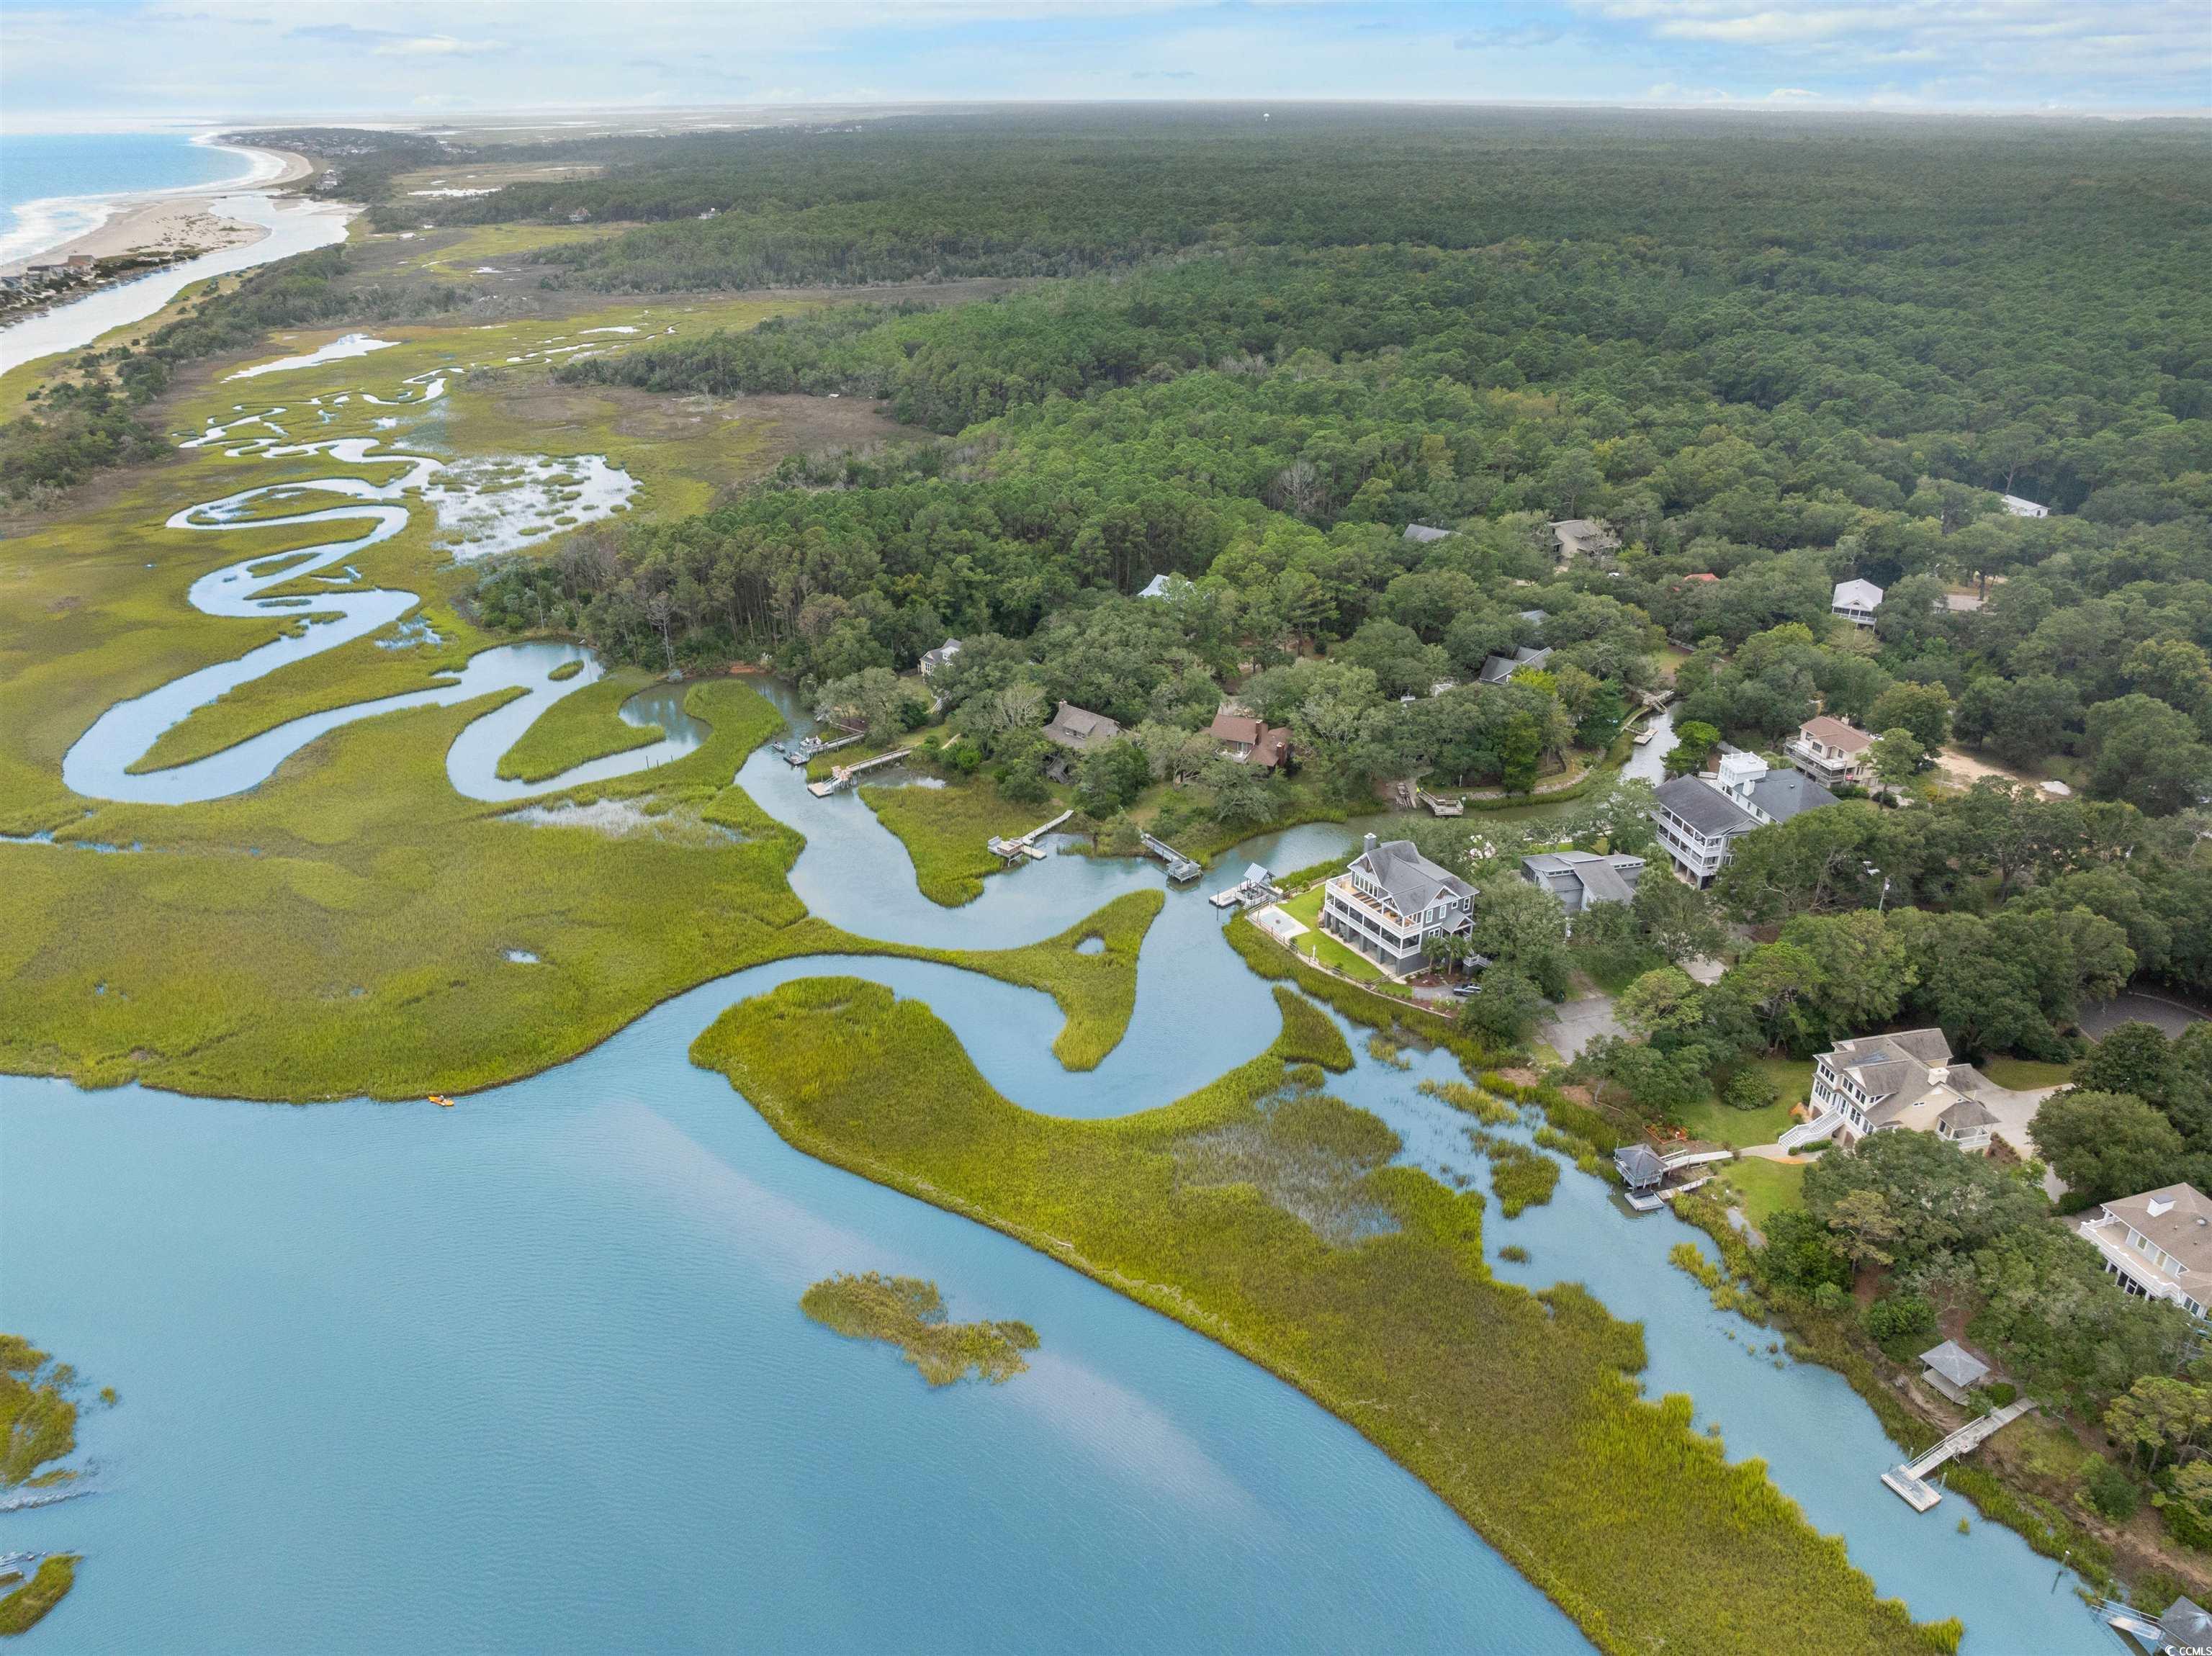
x=1518 y=1409
x=946 y=832
x=909 y=1313
x=579 y=727
x=22 y=1609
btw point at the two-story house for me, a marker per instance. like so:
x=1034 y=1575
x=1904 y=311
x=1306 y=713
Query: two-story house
x=1900 y=1082
x=1584 y=879
x=1699 y=818
x=1856 y=601
x=1831 y=752
x=1390 y=900
x=2159 y=1245
x=1247 y=740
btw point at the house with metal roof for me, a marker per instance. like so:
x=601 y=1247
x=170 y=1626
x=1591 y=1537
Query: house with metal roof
x=1422 y=534
x=1856 y=601
x=1391 y=899
x=2157 y=1244
x=2022 y=508
x=1903 y=1082
x=1584 y=879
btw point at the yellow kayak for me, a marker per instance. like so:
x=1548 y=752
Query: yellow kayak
x=441 y=1101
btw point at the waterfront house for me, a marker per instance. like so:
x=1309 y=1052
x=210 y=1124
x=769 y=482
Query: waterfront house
x=1830 y=751
x=1247 y=740
x=1583 y=538
x=1496 y=670
x=1076 y=730
x=1391 y=900
x=1903 y=1082
x=1584 y=879
x=934 y=659
x=1856 y=601
x=2157 y=1244
x=1699 y=818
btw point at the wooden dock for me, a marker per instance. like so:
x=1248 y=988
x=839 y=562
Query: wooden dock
x=1440 y=806
x=844 y=776
x=1180 y=869
x=1026 y=845
x=1909 y=1482
x=803 y=749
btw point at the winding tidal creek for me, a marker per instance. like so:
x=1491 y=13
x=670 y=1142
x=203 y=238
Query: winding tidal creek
x=531 y=1375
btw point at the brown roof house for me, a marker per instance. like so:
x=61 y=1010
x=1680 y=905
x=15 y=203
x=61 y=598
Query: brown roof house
x=1830 y=751
x=1247 y=740
x=1583 y=538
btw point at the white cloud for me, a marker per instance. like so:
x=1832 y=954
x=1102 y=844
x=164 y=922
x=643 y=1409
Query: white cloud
x=435 y=46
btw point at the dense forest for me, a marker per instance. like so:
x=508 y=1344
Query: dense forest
x=1834 y=377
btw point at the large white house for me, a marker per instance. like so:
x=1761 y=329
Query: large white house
x=1392 y=900
x=2159 y=1245
x=1901 y=1082
x=1699 y=818
x=1856 y=601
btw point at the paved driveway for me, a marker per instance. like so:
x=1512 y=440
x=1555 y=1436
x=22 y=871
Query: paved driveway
x=1578 y=1023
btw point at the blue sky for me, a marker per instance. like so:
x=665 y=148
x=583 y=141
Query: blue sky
x=81 y=65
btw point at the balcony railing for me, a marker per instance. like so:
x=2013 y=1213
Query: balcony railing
x=2162 y=1286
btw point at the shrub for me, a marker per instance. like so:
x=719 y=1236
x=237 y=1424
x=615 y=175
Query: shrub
x=1514 y=1251
x=2113 y=1493
x=1900 y=1316
x=1748 y=1090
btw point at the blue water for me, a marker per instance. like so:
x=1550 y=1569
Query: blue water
x=530 y=1374
x=51 y=173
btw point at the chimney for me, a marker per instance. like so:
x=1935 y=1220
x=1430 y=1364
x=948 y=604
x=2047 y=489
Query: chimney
x=1371 y=845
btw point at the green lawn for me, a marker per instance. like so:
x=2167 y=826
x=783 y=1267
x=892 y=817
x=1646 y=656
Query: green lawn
x=1712 y=1119
x=946 y=832
x=1766 y=1185
x=2025 y=1075
x=1319 y=946
x=1222 y=1210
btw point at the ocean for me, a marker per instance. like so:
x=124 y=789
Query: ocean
x=55 y=186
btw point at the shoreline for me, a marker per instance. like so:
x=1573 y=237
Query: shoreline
x=144 y=221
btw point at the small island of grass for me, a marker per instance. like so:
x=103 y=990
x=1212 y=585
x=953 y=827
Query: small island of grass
x=583 y=725
x=38 y=1427
x=909 y=1313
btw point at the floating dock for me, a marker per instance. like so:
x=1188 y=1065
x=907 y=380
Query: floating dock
x=1909 y=1482
x=1180 y=869
x=1026 y=845
x=800 y=752
x=1440 y=806
x=1256 y=887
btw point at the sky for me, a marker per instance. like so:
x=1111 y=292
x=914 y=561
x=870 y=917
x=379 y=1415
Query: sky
x=113 y=63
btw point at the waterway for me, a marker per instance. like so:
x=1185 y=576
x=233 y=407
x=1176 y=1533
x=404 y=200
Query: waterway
x=530 y=1374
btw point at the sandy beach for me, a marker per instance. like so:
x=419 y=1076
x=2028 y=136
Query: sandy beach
x=168 y=222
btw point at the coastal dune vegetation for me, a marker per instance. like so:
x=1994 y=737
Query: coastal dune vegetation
x=1519 y=1409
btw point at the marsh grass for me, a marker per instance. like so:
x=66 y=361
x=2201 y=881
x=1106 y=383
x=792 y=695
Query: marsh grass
x=38 y=1420
x=946 y=832
x=909 y=1313
x=1518 y=1408
x=1520 y=1178
x=581 y=727
x=23 y=1609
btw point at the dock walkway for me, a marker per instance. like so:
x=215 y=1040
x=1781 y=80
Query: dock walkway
x=1909 y=1482
x=1180 y=869
x=844 y=776
x=1026 y=845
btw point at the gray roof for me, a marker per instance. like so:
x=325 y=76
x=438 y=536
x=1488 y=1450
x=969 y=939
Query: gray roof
x=1534 y=615
x=1413 y=880
x=1426 y=532
x=1639 y=1165
x=1496 y=670
x=1784 y=794
x=1709 y=811
x=2186 y=1623
x=1961 y=1367
x=1967 y=1114
x=1079 y=727
x=1603 y=879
